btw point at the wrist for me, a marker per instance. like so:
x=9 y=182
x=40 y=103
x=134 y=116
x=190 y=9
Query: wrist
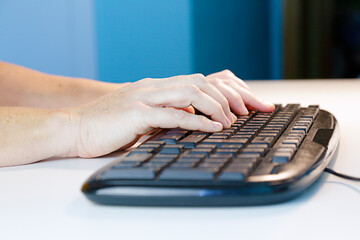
x=68 y=121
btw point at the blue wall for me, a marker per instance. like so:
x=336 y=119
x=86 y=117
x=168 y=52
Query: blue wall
x=143 y=38
x=160 y=38
x=276 y=38
x=127 y=40
x=232 y=34
x=51 y=36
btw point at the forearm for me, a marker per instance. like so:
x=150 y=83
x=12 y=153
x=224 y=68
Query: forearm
x=29 y=135
x=24 y=87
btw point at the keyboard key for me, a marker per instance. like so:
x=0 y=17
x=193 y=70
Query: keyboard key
x=142 y=150
x=230 y=146
x=222 y=160
x=248 y=162
x=257 y=145
x=293 y=142
x=220 y=143
x=153 y=146
x=212 y=165
x=126 y=165
x=172 y=149
x=212 y=146
x=205 y=151
x=222 y=155
x=217 y=137
x=207 y=174
x=155 y=165
x=159 y=155
x=263 y=140
x=157 y=143
x=281 y=157
x=137 y=157
x=300 y=128
x=274 y=135
x=246 y=156
x=200 y=133
x=192 y=140
x=234 y=174
x=190 y=159
x=258 y=151
x=183 y=165
x=162 y=160
x=131 y=173
x=231 y=152
x=177 y=132
x=171 y=139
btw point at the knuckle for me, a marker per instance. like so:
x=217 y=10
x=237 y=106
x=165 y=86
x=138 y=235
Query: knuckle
x=137 y=109
x=180 y=115
x=146 y=82
x=218 y=81
x=192 y=90
x=228 y=81
x=227 y=72
x=217 y=108
x=202 y=121
x=198 y=78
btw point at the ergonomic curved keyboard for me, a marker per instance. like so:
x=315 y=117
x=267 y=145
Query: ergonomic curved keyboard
x=263 y=158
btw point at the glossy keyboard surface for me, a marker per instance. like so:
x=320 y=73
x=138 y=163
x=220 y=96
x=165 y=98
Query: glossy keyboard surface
x=267 y=149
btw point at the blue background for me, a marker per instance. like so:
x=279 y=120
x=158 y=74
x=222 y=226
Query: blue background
x=127 y=40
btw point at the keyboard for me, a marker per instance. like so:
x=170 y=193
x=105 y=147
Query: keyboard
x=263 y=158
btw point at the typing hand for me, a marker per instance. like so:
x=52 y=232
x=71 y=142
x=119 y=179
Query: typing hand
x=119 y=118
x=238 y=93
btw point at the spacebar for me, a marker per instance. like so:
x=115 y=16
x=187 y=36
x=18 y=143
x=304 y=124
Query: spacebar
x=188 y=174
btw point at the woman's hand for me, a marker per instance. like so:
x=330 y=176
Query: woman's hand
x=238 y=93
x=120 y=117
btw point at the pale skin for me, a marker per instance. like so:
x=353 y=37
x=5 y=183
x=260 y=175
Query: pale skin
x=43 y=116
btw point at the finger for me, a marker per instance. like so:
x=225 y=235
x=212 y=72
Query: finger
x=227 y=74
x=184 y=96
x=130 y=144
x=202 y=83
x=188 y=109
x=171 y=118
x=241 y=83
x=235 y=100
x=252 y=101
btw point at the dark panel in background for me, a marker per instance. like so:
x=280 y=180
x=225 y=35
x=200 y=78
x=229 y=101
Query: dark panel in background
x=232 y=34
x=346 y=61
x=321 y=39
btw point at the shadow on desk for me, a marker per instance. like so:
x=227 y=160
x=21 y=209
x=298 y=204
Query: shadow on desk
x=355 y=189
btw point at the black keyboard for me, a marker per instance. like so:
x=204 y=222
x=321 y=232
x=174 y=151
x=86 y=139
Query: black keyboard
x=263 y=158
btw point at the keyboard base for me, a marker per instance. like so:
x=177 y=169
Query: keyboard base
x=256 y=190
x=200 y=197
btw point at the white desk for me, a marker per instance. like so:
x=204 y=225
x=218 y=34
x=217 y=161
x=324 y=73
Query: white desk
x=43 y=200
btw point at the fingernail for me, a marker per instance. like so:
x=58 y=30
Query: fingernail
x=268 y=104
x=245 y=111
x=230 y=116
x=234 y=117
x=228 y=123
x=217 y=126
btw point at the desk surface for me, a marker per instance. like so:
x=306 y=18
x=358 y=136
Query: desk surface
x=43 y=200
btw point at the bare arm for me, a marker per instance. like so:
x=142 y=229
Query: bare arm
x=29 y=135
x=20 y=86
x=118 y=118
